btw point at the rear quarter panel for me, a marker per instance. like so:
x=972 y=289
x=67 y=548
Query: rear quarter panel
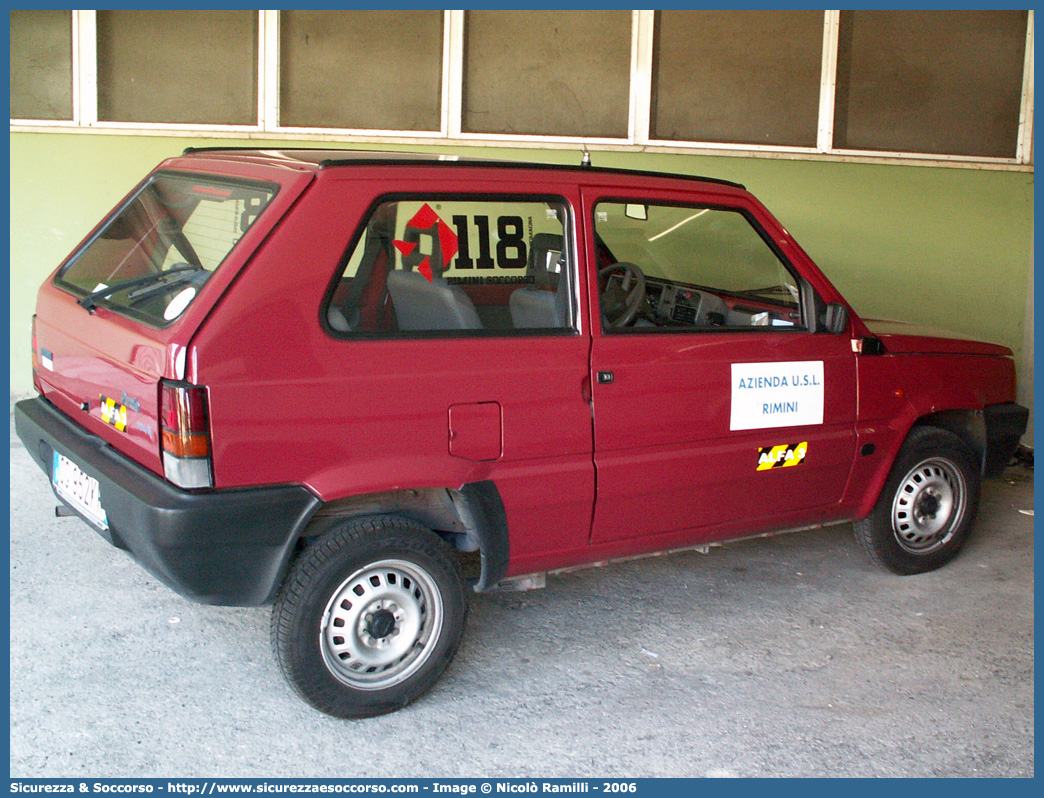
x=291 y=403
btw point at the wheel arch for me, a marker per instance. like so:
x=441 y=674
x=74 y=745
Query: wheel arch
x=469 y=518
x=968 y=425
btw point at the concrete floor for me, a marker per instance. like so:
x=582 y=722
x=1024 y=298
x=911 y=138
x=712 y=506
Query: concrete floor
x=789 y=656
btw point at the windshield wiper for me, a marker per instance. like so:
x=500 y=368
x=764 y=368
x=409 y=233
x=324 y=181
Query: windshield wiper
x=782 y=294
x=90 y=302
x=769 y=289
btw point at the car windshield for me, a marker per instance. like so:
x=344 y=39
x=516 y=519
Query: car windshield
x=175 y=225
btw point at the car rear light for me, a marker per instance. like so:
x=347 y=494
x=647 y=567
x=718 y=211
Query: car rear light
x=185 y=435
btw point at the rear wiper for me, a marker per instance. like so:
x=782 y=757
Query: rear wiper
x=90 y=302
x=134 y=297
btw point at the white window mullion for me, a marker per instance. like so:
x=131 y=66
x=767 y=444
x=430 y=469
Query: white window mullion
x=85 y=68
x=452 y=73
x=828 y=81
x=268 y=70
x=1024 y=148
x=639 y=118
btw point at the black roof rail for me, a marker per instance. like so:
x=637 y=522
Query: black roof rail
x=332 y=163
x=371 y=157
x=190 y=150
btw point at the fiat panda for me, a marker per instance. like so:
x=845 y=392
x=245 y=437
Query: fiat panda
x=357 y=386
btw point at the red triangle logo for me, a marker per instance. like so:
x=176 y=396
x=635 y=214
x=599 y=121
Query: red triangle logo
x=425 y=269
x=424 y=218
x=405 y=247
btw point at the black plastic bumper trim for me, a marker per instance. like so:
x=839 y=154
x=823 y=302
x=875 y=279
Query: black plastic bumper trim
x=229 y=547
x=491 y=517
x=1005 y=426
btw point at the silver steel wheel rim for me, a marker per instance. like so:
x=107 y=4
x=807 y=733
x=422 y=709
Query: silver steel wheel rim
x=928 y=506
x=381 y=625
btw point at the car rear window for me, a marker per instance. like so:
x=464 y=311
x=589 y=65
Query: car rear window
x=163 y=244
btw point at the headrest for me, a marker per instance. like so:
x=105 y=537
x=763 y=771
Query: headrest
x=546 y=259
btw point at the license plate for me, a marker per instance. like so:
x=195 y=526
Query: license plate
x=78 y=490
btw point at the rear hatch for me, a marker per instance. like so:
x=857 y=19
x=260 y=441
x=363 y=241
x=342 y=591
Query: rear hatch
x=119 y=314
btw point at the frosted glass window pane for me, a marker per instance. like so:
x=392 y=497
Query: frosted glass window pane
x=188 y=67
x=41 y=65
x=375 y=70
x=547 y=73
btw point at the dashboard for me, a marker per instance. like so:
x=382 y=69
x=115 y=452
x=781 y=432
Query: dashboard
x=668 y=304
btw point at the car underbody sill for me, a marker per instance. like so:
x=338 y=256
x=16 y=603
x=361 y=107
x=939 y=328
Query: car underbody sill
x=537 y=580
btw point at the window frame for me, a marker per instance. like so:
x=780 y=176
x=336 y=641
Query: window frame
x=575 y=325
x=809 y=301
x=638 y=139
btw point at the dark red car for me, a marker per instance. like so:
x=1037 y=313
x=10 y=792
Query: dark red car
x=320 y=379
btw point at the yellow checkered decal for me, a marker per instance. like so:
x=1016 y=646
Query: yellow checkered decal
x=781 y=456
x=112 y=412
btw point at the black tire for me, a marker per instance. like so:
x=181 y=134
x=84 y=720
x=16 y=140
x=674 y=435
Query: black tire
x=927 y=507
x=395 y=590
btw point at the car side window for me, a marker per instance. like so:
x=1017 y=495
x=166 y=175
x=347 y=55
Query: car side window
x=670 y=267
x=460 y=265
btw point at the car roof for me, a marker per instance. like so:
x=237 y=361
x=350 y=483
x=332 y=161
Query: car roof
x=322 y=159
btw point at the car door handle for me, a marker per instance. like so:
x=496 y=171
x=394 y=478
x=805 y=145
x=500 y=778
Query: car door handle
x=605 y=377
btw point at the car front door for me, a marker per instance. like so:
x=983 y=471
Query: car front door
x=719 y=410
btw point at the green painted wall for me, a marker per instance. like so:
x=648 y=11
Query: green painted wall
x=947 y=247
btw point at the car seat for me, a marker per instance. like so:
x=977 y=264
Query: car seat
x=546 y=302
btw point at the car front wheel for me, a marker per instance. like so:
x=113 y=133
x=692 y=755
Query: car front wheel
x=369 y=617
x=927 y=507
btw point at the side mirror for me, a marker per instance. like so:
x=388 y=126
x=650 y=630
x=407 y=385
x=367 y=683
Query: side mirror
x=835 y=318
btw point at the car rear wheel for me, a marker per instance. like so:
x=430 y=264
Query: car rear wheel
x=927 y=507
x=369 y=617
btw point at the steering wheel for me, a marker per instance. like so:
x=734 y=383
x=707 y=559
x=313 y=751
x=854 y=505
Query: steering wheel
x=621 y=303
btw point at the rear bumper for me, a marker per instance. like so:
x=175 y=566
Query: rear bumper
x=1005 y=426
x=229 y=547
